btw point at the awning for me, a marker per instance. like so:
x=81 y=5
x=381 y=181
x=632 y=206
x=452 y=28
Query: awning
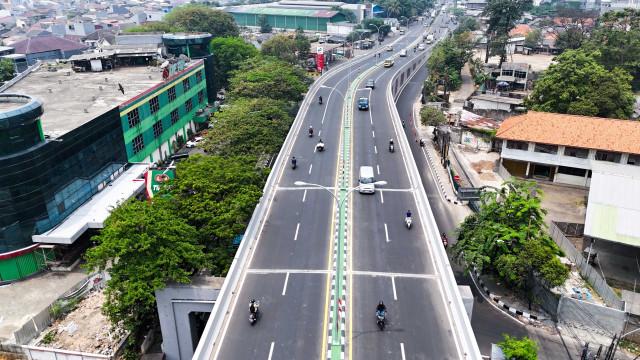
x=93 y=56
x=506 y=78
x=94 y=212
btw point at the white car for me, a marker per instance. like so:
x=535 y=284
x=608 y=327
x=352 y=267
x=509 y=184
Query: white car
x=421 y=47
x=193 y=142
x=389 y=48
x=403 y=52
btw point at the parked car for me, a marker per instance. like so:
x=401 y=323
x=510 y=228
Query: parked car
x=388 y=63
x=363 y=103
x=371 y=84
x=403 y=52
x=193 y=142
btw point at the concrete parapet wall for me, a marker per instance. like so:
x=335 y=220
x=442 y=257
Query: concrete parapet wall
x=591 y=317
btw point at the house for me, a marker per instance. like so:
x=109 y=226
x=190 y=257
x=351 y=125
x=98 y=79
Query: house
x=48 y=48
x=515 y=74
x=560 y=148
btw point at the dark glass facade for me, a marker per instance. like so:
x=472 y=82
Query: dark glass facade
x=20 y=126
x=41 y=185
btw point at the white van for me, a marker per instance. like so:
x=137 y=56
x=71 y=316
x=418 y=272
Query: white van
x=366 y=180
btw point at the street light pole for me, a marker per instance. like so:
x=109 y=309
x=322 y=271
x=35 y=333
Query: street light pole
x=377 y=27
x=339 y=261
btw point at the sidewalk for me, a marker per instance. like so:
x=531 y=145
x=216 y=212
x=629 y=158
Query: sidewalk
x=467 y=89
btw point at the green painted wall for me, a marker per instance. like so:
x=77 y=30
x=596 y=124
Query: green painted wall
x=23 y=265
x=288 y=21
x=147 y=119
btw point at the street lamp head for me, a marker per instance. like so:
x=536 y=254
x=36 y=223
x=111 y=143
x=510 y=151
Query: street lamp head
x=299 y=183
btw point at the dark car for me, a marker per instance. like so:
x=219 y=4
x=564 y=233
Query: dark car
x=371 y=84
x=363 y=103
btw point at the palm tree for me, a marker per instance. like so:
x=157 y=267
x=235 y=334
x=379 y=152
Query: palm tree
x=394 y=7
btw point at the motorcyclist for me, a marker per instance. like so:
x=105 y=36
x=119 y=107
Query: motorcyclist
x=408 y=213
x=391 y=142
x=402 y=123
x=253 y=306
x=320 y=99
x=293 y=161
x=381 y=308
x=310 y=130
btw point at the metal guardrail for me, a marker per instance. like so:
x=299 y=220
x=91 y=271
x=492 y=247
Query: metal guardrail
x=462 y=330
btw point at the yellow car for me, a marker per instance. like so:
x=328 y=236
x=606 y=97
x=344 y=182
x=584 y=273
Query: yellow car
x=388 y=63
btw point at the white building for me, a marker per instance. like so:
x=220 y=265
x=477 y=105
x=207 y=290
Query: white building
x=560 y=148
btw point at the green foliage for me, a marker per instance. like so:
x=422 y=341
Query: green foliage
x=545 y=9
x=301 y=46
x=579 y=85
x=467 y=23
x=228 y=55
x=507 y=239
x=265 y=27
x=455 y=11
x=533 y=38
x=71 y=16
x=143 y=246
x=48 y=338
x=432 y=116
x=451 y=53
x=7 y=70
x=348 y=14
x=376 y=25
x=156 y=26
x=269 y=78
x=523 y=349
x=502 y=15
x=255 y=127
x=201 y=18
x=56 y=310
x=282 y=48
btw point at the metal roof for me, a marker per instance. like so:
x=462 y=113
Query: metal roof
x=92 y=56
x=282 y=11
x=613 y=208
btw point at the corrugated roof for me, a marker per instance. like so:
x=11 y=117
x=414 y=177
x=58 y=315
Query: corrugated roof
x=613 y=209
x=573 y=130
x=41 y=44
x=283 y=11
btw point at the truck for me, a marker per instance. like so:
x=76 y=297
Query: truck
x=429 y=39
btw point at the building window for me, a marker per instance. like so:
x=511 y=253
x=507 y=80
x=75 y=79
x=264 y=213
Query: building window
x=572 y=171
x=138 y=144
x=157 y=129
x=507 y=72
x=200 y=96
x=198 y=77
x=519 y=74
x=518 y=145
x=188 y=105
x=547 y=149
x=175 y=117
x=186 y=85
x=608 y=156
x=134 y=118
x=576 y=152
x=172 y=93
x=634 y=159
x=154 y=104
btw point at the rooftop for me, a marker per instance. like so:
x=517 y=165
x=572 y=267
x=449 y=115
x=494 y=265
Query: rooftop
x=72 y=99
x=573 y=130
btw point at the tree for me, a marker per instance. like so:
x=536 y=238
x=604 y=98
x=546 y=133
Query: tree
x=467 y=23
x=572 y=26
x=265 y=27
x=255 y=127
x=228 y=55
x=533 y=38
x=457 y=12
x=200 y=18
x=301 y=45
x=269 y=78
x=142 y=247
x=7 y=70
x=503 y=15
x=158 y=26
x=376 y=25
x=506 y=239
x=432 y=116
x=282 y=48
x=348 y=14
x=578 y=84
x=523 y=349
x=217 y=195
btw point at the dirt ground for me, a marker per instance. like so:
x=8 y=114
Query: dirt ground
x=538 y=62
x=84 y=329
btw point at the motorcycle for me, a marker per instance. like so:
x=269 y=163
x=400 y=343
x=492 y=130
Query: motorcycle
x=421 y=142
x=408 y=220
x=294 y=164
x=320 y=101
x=444 y=240
x=320 y=146
x=402 y=123
x=253 y=316
x=391 y=148
x=380 y=319
x=310 y=132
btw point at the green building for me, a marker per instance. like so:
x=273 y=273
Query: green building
x=283 y=18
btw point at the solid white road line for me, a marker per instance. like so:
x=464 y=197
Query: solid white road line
x=378 y=167
x=296 y=236
x=386 y=233
x=284 y=271
x=271 y=351
x=304 y=196
x=393 y=284
x=373 y=133
x=286 y=280
x=375 y=149
x=401 y=350
x=402 y=275
x=381 y=197
x=310 y=167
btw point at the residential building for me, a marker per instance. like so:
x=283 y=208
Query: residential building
x=560 y=148
x=80 y=142
x=48 y=48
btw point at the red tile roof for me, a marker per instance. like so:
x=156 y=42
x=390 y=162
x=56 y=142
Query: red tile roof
x=573 y=130
x=520 y=30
